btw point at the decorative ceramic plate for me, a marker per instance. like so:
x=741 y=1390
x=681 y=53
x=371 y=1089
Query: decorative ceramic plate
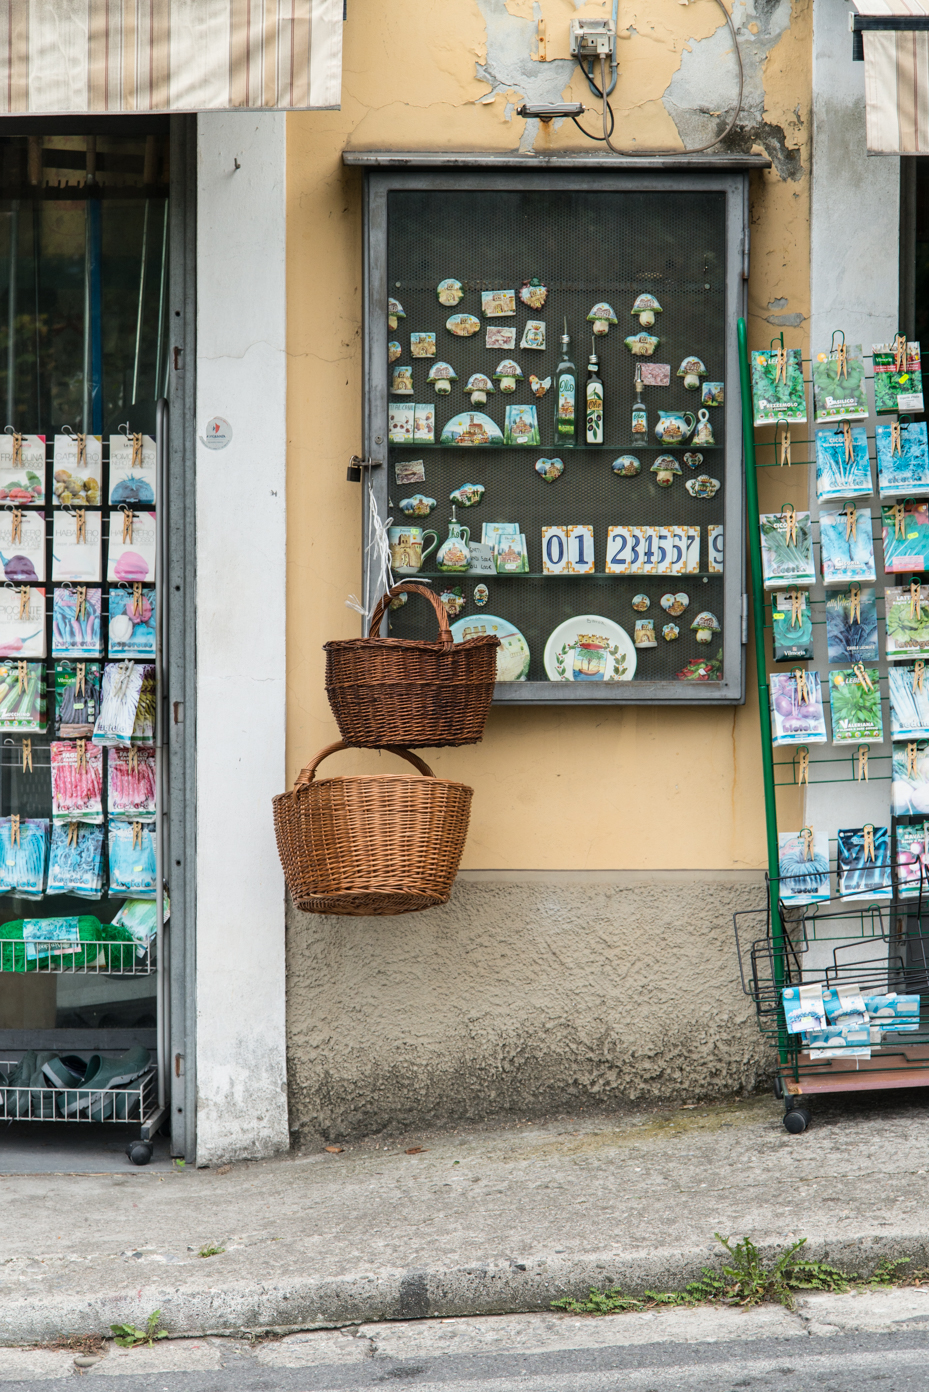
x=513 y=652
x=590 y=648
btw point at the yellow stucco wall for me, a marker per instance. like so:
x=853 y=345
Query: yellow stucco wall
x=568 y=789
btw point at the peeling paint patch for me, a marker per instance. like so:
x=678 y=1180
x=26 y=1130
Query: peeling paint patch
x=777 y=304
x=786 y=321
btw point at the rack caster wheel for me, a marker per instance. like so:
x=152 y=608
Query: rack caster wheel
x=139 y=1152
x=797 y=1119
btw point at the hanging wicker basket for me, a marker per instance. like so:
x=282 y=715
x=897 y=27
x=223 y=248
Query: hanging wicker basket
x=381 y=844
x=411 y=692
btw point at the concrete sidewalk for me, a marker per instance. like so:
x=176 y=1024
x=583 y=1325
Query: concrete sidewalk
x=482 y=1221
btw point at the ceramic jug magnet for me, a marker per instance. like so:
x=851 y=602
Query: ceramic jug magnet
x=454 y=555
x=673 y=426
x=704 y=431
x=406 y=549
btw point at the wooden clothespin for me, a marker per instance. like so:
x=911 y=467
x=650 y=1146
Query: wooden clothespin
x=919 y=670
x=136 y=597
x=900 y=353
x=74 y=829
x=80 y=607
x=912 y=755
x=780 y=359
x=803 y=694
x=849 y=441
x=851 y=522
x=136 y=835
x=17 y=460
x=899 y=512
x=785 y=439
x=915 y=601
x=803 y=772
x=796 y=607
x=82 y=754
x=136 y=452
x=868 y=837
x=862 y=763
x=841 y=358
x=896 y=441
x=789 y=514
x=27 y=756
x=127 y=527
x=861 y=674
x=854 y=603
x=80 y=673
x=24 y=601
x=132 y=759
x=22 y=674
x=16 y=527
x=806 y=841
x=80 y=526
x=14 y=830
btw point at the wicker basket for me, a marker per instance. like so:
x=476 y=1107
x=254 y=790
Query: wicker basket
x=385 y=844
x=410 y=692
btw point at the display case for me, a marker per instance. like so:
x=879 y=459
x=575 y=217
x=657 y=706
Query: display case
x=607 y=557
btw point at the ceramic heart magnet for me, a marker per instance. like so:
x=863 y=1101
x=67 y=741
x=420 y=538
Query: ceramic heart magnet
x=549 y=469
x=675 y=603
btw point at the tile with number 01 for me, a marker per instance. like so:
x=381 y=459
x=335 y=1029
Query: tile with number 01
x=714 y=544
x=693 y=551
x=581 y=550
x=618 y=550
x=555 y=550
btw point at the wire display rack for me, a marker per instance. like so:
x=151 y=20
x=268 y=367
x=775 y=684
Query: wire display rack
x=55 y=958
x=137 y=1101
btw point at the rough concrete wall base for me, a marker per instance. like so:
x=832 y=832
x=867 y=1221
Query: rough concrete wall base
x=521 y=997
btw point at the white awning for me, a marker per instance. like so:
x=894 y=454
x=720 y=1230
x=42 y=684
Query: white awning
x=76 y=56
x=896 y=75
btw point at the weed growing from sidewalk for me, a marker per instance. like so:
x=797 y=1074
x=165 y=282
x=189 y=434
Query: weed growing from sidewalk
x=131 y=1336
x=210 y=1251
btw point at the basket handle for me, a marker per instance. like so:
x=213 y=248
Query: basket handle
x=307 y=775
x=405 y=587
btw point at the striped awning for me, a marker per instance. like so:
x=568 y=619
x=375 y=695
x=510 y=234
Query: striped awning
x=896 y=74
x=76 y=56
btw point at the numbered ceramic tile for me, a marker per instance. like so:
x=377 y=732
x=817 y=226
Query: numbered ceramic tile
x=501 y=336
x=555 y=550
x=463 y=325
x=642 y=345
x=649 y=550
x=533 y=293
x=77 y=465
x=539 y=387
x=413 y=471
x=471 y=428
x=714 y=539
x=394 y=352
x=442 y=375
x=645 y=308
x=468 y=495
x=675 y=604
x=513 y=653
x=626 y=466
x=589 y=648
x=22 y=469
x=133 y=558
x=23 y=559
x=533 y=334
x=665 y=469
x=422 y=345
x=678 y=550
x=395 y=312
x=522 y=425
x=601 y=317
x=549 y=469
x=508 y=373
x=637 y=536
x=401 y=380
x=654 y=374
x=581 y=549
x=449 y=292
x=712 y=393
x=424 y=424
x=706 y=626
x=400 y=424
x=498 y=304
x=669 y=632
x=702 y=486
x=645 y=633
x=133 y=475
x=76 y=546
x=417 y=506
x=693 y=551
x=618 y=551
x=481 y=595
x=22 y=621
x=665 y=553
x=640 y=603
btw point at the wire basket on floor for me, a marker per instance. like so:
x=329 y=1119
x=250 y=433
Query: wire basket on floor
x=407 y=691
x=378 y=844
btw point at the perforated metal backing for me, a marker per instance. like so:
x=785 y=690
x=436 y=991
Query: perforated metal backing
x=585 y=247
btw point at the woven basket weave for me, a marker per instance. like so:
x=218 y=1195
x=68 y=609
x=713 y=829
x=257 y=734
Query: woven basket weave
x=383 y=844
x=407 y=691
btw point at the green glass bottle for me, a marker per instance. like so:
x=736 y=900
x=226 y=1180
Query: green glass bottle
x=565 y=394
x=594 y=415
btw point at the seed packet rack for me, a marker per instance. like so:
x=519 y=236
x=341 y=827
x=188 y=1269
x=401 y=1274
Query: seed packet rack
x=879 y=946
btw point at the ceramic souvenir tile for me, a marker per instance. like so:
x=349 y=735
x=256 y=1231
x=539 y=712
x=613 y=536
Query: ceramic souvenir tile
x=649 y=550
x=693 y=551
x=413 y=471
x=618 y=551
x=76 y=624
x=906 y=620
x=394 y=352
x=134 y=558
x=463 y=325
x=471 y=428
x=912 y=859
x=22 y=621
x=501 y=336
x=841 y=473
x=644 y=634
x=522 y=425
x=855 y=706
x=416 y=506
x=792 y=626
x=839 y=384
x=533 y=293
x=909 y=701
x=910 y=786
x=797 y=709
x=401 y=381
x=22 y=469
x=678 y=550
x=803 y=867
x=713 y=393
x=902 y=459
x=714 y=541
x=400 y=423
x=897 y=387
x=133 y=476
x=851 y=625
x=511 y=555
x=555 y=550
x=449 y=292
x=777 y=386
x=786 y=549
x=497 y=304
x=422 y=345
x=846 y=546
x=906 y=536
x=655 y=374
x=581 y=550
x=863 y=863
x=23 y=560
x=468 y=495
x=77 y=470
x=424 y=424
x=76 y=555
x=490 y=531
x=533 y=334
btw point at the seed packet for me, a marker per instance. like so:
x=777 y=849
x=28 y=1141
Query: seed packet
x=778 y=395
x=76 y=626
x=837 y=475
x=133 y=476
x=839 y=384
x=77 y=781
x=855 y=705
x=803 y=869
x=77 y=699
x=905 y=535
x=902 y=459
x=132 y=858
x=897 y=388
x=23 y=856
x=522 y=425
x=797 y=708
x=786 y=549
x=122 y=686
x=400 y=423
x=909 y=702
x=910 y=785
x=792 y=623
x=851 y=626
x=840 y=1041
x=77 y=470
x=804 y=1008
x=22 y=697
x=22 y=470
x=131 y=553
x=846 y=546
x=139 y=917
x=912 y=859
x=76 y=546
x=75 y=863
x=131 y=630
x=23 y=560
x=906 y=618
x=424 y=424
x=22 y=621
x=143 y=727
x=863 y=863
x=131 y=783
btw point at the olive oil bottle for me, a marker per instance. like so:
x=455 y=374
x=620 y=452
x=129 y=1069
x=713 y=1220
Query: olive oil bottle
x=565 y=394
x=594 y=431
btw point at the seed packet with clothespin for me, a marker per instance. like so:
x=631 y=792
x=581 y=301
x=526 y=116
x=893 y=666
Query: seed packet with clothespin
x=898 y=380
x=902 y=459
x=851 y=625
x=75 y=862
x=910 y=785
x=797 y=715
x=77 y=698
x=839 y=382
x=22 y=469
x=132 y=471
x=855 y=705
x=792 y=625
x=786 y=548
x=76 y=546
x=22 y=545
x=122 y=686
x=777 y=385
x=846 y=546
x=22 y=621
x=843 y=469
x=132 y=858
x=912 y=858
x=78 y=471
x=131 y=629
x=76 y=626
x=133 y=541
x=908 y=684
x=77 y=781
x=23 y=855
x=22 y=697
x=863 y=863
x=906 y=619
x=802 y=867
x=905 y=536
x=131 y=782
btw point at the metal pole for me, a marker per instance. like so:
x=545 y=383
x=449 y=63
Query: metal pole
x=11 y=315
x=138 y=317
x=161 y=422
x=162 y=307
x=85 y=410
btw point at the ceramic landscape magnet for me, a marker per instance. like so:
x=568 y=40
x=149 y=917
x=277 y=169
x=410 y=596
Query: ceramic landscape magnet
x=851 y=626
x=508 y=373
x=902 y=459
x=533 y=293
x=713 y=393
x=23 y=560
x=855 y=703
x=497 y=304
x=627 y=466
x=468 y=495
x=714 y=538
x=400 y=423
x=652 y=374
x=442 y=375
x=777 y=386
x=424 y=424
x=513 y=652
x=501 y=336
x=133 y=476
x=640 y=603
x=702 y=486
x=539 y=388
x=453 y=600
x=481 y=595
x=133 y=559
x=644 y=636
x=669 y=632
x=601 y=317
x=909 y=702
x=839 y=384
x=906 y=536
x=401 y=381
x=797 y=708
x=422 y=345
x=675 y=604
x=463 y=325
x=533 y=334
x=76 y=546
x=394 y=352
x=22 y=469
x=395 y=312
x=906 y=620
x=642 y=345
x=413 y=471
x=471 y=428
x=843 y=469
x=78 y=470
x=549 y=469
x=898 y=379
x=449 y=292
x=645 y=308
x=664 y=468
x=522 y=425
x=417 y=506
x=589 y=648
x=846 y=546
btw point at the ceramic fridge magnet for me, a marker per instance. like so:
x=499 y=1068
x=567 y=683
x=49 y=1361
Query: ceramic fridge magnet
x=652 y=374
x=669 y=632
x=851 y=626
x=664 y=468
x=581 y=550
x=906 y=619
x=644 y=636
x=626 y=466
x=601 y=317
x=855 y=705
x=498 y=304
x=549 y=469
x=131 y=551
x=902 y=459
x=508 y=373
x=843 y=469
x=513 y=654
x=131 y=627
x=453 y=600
x=22 y=545
x=449 y=292
x=413 y=471
x=481 y=595
x=454 y=554
x=511 y=555
x=692 y=369
x=846 y=546
x=76 y=621
x=395 y=312
x=693 y=459
x=394 y=352
x=442 y=375
x=22 y=470
x=477 y=387
x=906 y=536
x=675 y=604
x=705 y=627
x=422 y=345
x=590 y=648
x=555 y=550
x=133 y=476
x=645 y=308
x=400 y=423
x=417 y=506
x=424 y=424
x=910 y=786
x=863 y=868
x=797 y=708
x=803 y=868
x=792 y=626
x=468 y=495
x=912 y=859
x=22 y=621
x=533 y=335
x=618 y=551
x=786 y=548
x=898 y=379
x=77 y=464
x=641 y=345
x=401 y=380
x=909 y=701
x=839 y=384
x=703 y=486
x=539 y=387
x=703 y=435
x=777 y=386
x=471 y=428
x=522 y=425
x=640 y=603
x=463 y=325
x=408 y=548
x=713 y=393
x=502 y=336
x=398 y=601
x=76 y=545
x=714 y=538
x=533 y=293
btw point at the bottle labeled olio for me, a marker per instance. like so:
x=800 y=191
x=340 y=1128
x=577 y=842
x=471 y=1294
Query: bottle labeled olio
x=594 y=431
x=565 y=393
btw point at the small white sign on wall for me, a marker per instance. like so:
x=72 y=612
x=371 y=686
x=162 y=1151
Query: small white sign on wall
x=217 y=433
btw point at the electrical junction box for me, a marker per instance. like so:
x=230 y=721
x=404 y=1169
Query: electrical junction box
x=592 y=37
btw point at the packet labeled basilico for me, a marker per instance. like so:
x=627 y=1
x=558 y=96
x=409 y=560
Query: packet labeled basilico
x=839 y=384
x=898 y=379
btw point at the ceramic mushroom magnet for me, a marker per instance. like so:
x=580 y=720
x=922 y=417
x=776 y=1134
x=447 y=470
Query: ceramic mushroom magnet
x=449 y=292
x=664 y=469
x=468 y=495
x=705 y=625
x=642 y=345
x=640 y=603
x=627 y=466
x=442 y=375
x=478 y=385
x=691 y=369
x=533 y=293
x=393 y=352
x=675 y=604
x=702 y=486
x=669 y=632
x=601 y=317
x=539 y=388
x=645 y=309
x=395 y=312
x=549 y=469
x=508 y=374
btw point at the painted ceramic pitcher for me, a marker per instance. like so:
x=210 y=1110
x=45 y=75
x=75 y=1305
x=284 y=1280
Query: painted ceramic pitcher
x=674 y=426
x=454 y=555
x=407 y=552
